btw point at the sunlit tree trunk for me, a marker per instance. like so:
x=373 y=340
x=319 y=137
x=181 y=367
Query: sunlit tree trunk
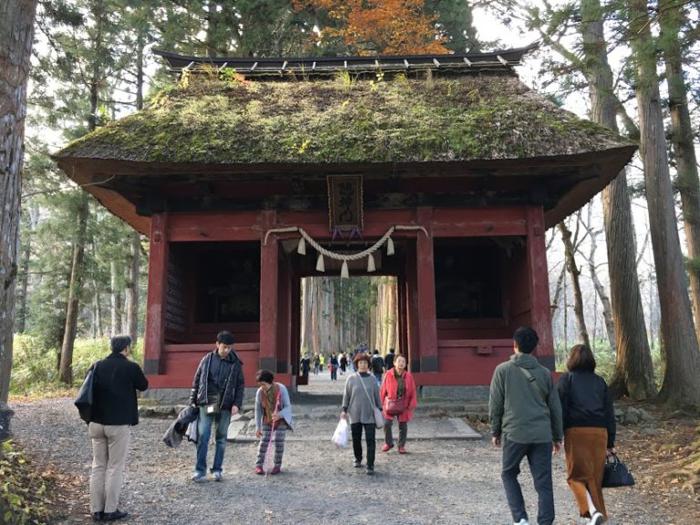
x=681 y=385
x=670 y=18
x=16 y=37
x=634 y=375
x=574 y=272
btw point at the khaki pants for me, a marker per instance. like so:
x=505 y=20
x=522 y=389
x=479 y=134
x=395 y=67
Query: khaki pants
x=109 y=448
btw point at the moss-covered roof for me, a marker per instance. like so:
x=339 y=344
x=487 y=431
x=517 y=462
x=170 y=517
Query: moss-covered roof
x=462 y=118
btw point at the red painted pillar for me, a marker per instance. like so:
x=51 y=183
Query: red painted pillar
x=411 y=308
x=284 y=358
x=157 y=294
x=539 y=285
x=425 y=287
x=269 y=293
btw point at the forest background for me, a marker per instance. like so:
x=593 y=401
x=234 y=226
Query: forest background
x=624 y=271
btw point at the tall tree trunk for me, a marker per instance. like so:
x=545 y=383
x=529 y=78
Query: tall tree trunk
x=65 y=371
x=634 y=373
x=681 y=384
x=670 y=18
x=557 y=292
x=115 y=299
x=16 y=37
x=131 y=290
x=98 y=329
x=213 y=30
x=600 y=290
x=21 y=319
x=132 y=287
x=574 y=272
x=77 y=264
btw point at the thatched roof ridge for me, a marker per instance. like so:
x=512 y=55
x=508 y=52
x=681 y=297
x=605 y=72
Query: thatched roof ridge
x=502 y=60
x=340 y=121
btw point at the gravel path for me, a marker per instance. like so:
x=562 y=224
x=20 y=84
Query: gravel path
x=438 y=482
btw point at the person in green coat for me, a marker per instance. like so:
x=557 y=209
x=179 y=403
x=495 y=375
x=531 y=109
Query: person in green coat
x=526 y=420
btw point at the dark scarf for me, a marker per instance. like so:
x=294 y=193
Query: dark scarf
x=401 y=387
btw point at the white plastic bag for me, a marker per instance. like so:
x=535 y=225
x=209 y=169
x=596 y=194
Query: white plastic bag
x=340 y=436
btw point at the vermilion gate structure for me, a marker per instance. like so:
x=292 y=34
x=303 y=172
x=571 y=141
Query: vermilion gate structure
x=453 y=146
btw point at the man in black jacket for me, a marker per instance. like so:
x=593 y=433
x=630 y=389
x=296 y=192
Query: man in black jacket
x=389 y=359
x=114 y=411
x=377 y=366
x=217 y=389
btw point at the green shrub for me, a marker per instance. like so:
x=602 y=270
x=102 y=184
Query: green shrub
x=35 y=367
x=605 y=360
x=23 y=493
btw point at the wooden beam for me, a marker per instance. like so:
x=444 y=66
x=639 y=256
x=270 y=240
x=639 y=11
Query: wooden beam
x=82 y=174
x=157 y=294
x=284 y=318
x=225 y=226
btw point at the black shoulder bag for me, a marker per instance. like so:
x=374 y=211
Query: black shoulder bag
x=86 y=395
x=616 y=473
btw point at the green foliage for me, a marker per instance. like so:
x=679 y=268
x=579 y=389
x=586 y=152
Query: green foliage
x=456 y=22
x=605 y=359
x=34 y=369
x=23 y=494
x=243 y=28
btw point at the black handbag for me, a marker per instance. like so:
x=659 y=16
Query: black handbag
x=85 y=398
x=616 y=473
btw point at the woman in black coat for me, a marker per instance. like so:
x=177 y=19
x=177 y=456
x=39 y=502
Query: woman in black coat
x=589 y=431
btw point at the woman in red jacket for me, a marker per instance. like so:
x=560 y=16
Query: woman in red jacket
x=398 y=394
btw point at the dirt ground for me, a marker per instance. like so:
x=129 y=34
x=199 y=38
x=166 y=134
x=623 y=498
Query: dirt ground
x=440 y=482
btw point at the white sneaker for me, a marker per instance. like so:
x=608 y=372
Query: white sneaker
x=198 y=477
x=217 y=475
x=522 y=522
x=596 y=519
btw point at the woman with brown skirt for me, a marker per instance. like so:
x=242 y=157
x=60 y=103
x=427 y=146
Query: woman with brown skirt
x=589 y=432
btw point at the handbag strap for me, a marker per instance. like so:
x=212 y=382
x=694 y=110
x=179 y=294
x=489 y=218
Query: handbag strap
x=531 y=379
x=94 y=371
x=612 y=459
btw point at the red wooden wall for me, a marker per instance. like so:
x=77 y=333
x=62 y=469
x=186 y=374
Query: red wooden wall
x=441 y=351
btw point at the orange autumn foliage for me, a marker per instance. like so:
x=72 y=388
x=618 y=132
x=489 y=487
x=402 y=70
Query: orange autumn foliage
x=386 y=27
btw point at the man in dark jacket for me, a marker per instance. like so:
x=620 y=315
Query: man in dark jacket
x=114 y=411
x=526 y=419
x=389 y=359
x=377 y=366
x=217 y=389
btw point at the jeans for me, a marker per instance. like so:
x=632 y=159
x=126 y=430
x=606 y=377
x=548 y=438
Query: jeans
x=356 y=430
x=334 y=374
x=222 y=420
x=378 y=377
x=539 y=457
x=389 y=437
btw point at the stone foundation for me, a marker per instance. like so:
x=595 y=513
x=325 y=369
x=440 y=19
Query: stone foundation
x=456 y=393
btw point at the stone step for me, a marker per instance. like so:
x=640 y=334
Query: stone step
x=243 y=431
